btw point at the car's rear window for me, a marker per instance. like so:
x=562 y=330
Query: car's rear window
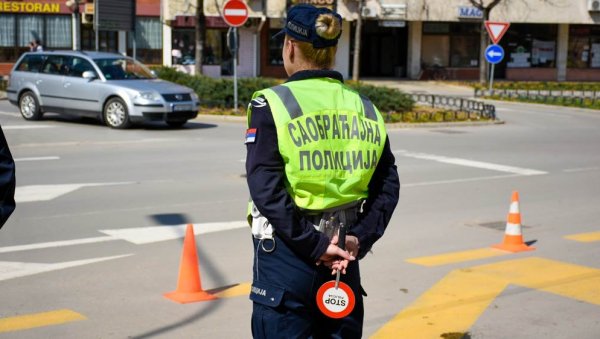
x=31 y=63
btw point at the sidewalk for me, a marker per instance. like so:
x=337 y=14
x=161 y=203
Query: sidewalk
x=408 y=86
x=423 y=87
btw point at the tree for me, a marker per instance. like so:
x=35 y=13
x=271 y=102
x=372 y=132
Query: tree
x=200 y=36
x=483 y=42
x=357 y=33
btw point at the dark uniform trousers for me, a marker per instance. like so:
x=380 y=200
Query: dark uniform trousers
x=284 y=292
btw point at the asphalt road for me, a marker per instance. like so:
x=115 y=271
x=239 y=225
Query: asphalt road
x=82 y=185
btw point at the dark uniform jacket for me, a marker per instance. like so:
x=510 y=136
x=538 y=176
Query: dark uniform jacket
x=7 y=181
x=266 y=178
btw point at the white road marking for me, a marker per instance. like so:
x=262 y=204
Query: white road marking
x=36 y=159
x=52 y=244
x=11 y=270
x=48 y=192
x=26 y=126
x=454 y=181
x=99 y=143
x=470 y=163
x=139 y=235
x=583 y=169
x=145 y=235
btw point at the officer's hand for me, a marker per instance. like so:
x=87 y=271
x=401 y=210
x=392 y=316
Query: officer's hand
x=334 y=257
x=352 y=245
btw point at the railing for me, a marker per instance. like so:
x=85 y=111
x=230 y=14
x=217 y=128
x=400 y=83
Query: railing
x=544 y=96
x=456 y=104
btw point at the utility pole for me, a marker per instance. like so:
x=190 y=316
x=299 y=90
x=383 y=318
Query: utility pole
x=357 y=33
x=74 y=6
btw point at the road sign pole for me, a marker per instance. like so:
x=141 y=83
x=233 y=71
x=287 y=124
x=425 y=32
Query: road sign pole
x=492 y=79
x=235 y=14
x=235 y=52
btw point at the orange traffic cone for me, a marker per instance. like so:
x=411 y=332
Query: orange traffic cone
x=513 y=239
x=189 y=287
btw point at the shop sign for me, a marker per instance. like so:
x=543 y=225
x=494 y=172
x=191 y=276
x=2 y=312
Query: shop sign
x=331 y=4
x=29 y=7
x=467 y=12
x=392 y=23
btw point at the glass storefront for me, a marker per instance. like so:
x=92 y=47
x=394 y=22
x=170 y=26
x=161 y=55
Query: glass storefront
x=53 y=31
x=584 y=47
x=454 y=44
x=148 y=32
x=530 y=46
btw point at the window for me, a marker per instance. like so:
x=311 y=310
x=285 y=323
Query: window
x=275 y=47
x=78 y=66
x=57 y=65
x=107 y=40
x=464 y=51
x=58 y=32
x=17 y=31
x=450 y=44
x=31 y=27
x=31 y=63
x=584 y=47
x=530 y=45
x=148 y=40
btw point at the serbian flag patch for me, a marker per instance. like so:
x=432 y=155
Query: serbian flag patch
x=250 y=135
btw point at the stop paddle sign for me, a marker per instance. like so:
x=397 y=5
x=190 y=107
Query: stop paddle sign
x=235 y=13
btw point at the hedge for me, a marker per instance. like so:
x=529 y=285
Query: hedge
x=219 y=92
x=541 y=85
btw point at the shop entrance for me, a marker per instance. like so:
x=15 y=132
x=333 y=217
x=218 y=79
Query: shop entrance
x=383 y=50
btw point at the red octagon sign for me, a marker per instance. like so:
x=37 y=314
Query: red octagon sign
x=235 y=13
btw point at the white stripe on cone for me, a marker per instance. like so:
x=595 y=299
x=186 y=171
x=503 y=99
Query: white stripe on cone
x=513 y=229
x=514 y=207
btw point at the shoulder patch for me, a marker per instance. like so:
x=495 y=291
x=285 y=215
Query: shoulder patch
x=251 y=135
x=259 y=102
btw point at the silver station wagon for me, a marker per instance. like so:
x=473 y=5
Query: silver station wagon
x=114 y=88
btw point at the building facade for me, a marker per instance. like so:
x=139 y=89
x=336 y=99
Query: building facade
x=52 y=23
x=547 y=39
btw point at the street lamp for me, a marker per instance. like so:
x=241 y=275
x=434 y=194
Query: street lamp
x=74 y=6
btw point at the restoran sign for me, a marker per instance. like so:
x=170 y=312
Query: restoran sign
x=29 y=7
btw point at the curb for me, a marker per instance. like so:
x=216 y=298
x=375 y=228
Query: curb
x=231 y=118
x=444 y=124
x=216 y=117
x=582 y=109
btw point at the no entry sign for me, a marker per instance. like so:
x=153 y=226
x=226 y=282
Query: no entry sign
x=235 y=13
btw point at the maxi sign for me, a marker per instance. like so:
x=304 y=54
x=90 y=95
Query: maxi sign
x=466 y=12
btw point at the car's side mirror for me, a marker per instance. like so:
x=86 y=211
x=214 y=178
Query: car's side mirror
x=89 y=75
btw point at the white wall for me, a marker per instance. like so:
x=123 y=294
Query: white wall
x=342 y=58
x=246 y=53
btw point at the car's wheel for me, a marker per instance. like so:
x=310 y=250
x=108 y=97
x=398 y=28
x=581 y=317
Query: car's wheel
x=115 y=114
x=29 y=106
x=176 y=123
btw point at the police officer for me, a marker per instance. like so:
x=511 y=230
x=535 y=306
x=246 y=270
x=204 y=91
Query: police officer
x=317 y=152
x=7 y=181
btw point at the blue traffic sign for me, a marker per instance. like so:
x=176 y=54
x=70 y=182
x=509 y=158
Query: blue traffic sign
x=494 y=54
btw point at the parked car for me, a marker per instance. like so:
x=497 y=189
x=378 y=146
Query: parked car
x=114 y=88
